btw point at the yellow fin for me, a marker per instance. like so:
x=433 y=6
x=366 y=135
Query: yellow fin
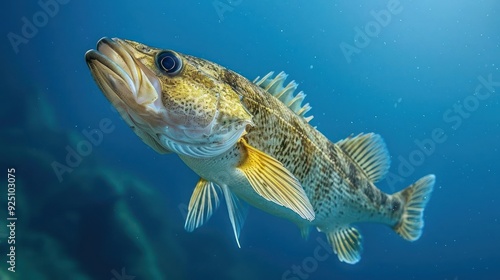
x=416 y=197
x=202 y=204
x=271 y=180
x=346 y=244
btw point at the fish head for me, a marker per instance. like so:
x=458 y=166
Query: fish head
x=173 y=102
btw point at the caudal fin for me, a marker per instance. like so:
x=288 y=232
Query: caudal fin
x=415 y=197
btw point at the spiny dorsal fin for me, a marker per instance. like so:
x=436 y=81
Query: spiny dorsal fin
x=274 y=86
x=369 y=152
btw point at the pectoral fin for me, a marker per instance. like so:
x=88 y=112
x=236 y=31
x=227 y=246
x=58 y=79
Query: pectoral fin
x=203 y=202
x=271 y=180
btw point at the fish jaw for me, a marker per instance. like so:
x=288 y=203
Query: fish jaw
x=129 y=76
x=132 y=89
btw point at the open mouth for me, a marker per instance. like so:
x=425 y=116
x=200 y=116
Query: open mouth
x=123 y=78
x=133 y=89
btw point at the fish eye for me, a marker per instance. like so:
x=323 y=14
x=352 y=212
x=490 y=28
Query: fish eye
x=169 y=62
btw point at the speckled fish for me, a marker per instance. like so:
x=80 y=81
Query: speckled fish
x=252 y=142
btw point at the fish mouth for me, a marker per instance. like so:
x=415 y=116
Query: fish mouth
x=123 y=78
x=136 y=92
x=130 y=86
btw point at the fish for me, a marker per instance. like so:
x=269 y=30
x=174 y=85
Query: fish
x=252 y=144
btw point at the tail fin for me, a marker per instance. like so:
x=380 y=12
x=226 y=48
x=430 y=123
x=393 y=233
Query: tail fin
x=415 y=198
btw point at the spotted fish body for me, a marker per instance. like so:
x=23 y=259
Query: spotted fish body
x=252 y=142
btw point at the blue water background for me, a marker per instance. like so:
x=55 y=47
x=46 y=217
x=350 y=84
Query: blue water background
x=401 y=85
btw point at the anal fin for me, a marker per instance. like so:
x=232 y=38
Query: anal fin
x=347 y=244
x=271 y=180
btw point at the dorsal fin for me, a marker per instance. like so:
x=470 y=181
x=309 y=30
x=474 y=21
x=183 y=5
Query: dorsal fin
x=369 y=152
x=274 y=86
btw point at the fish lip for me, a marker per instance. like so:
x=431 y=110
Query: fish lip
x=115 y=67
x=103 y=54
x=121 y=78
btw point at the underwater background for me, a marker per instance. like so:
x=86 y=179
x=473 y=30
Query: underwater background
x=423 y=74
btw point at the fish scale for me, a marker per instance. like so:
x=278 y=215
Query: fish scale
x=290 y=139
x=252 y=142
